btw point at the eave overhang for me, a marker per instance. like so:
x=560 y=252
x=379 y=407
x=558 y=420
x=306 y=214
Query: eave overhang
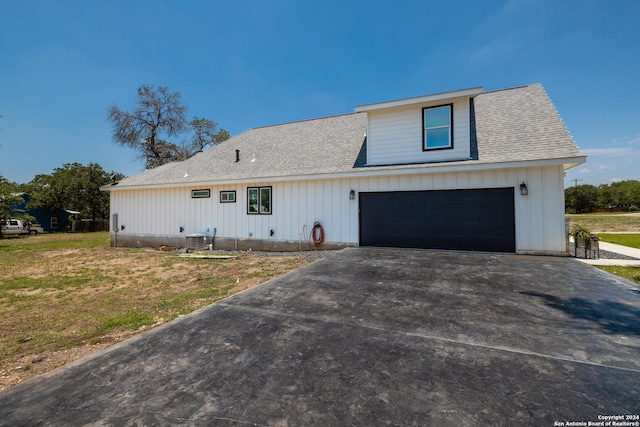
x=420 y=99
x=397 y=170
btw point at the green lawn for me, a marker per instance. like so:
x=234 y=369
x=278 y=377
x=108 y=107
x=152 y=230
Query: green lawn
x=603 y=225
x=629 y=273
x=631 y=240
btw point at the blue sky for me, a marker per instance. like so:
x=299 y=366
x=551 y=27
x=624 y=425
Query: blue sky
x=253 y=63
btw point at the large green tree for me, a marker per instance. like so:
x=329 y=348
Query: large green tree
x=10 y=199
x=581 y=198
x=624 y=195
x=73 y=187
x=157 y=119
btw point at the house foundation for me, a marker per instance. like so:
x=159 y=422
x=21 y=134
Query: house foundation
x=149 y=241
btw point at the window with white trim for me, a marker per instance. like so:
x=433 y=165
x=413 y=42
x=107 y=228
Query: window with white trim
x=259 y=200
x=437 y=127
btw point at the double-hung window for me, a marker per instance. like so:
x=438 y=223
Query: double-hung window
x=437 y=129
x=259 y=200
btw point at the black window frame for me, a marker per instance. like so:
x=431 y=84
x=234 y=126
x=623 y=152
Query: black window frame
x=424 y=128
x=208 y=190
x=228 y=192
x=260 y=210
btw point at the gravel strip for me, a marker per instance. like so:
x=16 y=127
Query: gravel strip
x=313 y=255
x=605 y=255
x=308 y=255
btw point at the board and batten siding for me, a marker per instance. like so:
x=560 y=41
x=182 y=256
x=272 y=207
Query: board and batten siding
x=296 y=205
x=394 y=135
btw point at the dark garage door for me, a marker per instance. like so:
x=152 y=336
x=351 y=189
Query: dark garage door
x=478 y=220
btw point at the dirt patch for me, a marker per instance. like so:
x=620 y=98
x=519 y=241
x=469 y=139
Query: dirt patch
x=27 y=366
x=608 y=223
x=58 y=305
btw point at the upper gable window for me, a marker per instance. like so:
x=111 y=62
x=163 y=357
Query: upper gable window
x=437 y=127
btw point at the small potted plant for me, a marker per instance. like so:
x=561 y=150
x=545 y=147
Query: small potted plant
x=581 y=232
x=582 y=238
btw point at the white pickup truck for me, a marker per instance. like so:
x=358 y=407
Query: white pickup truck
x=16 y=226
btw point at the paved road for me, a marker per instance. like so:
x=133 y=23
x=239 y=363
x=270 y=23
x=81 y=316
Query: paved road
x=371 y=337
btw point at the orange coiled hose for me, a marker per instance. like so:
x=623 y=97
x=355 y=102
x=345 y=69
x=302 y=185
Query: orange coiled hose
x=317 y=234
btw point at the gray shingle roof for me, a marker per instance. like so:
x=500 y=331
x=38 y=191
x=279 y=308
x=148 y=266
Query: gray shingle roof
x=310 y=147
x=519 y=124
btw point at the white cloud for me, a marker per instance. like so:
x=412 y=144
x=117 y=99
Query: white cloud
x=627 y=146
x=627 y=140
x=610 y=160
x=496 y=48
x=496 y=36
x=614 y=151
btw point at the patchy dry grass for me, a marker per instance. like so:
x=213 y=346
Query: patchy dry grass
x=608 y=222
x=63 y=296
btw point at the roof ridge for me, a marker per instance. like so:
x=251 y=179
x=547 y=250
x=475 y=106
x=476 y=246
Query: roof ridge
x=509 y=88
x=305 y=120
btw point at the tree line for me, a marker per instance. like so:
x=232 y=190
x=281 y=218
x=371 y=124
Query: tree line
x=71 y=187
x=618 y=196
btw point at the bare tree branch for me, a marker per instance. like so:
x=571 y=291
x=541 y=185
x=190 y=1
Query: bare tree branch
x=205 y=135
x=158 y=114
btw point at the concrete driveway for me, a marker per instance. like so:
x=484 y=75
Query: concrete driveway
x=371 y=337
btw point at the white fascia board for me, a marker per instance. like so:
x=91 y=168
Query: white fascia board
x=450 y=167
x=575 y=162
x=420 y=99
x=367 y=172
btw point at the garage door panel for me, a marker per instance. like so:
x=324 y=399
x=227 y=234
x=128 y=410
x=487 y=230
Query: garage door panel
x=478 y=219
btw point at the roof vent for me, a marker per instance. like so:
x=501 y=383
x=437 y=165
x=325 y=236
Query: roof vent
x=237 y=156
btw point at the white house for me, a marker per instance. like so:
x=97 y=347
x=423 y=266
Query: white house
x=462 y=170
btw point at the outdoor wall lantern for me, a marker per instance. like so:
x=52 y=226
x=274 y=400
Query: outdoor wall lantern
x=523 y=189
x=122 y=227
x=352 y=194
x=181 y=229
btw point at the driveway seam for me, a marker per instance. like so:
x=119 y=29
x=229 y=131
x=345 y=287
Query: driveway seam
x=418 y=335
